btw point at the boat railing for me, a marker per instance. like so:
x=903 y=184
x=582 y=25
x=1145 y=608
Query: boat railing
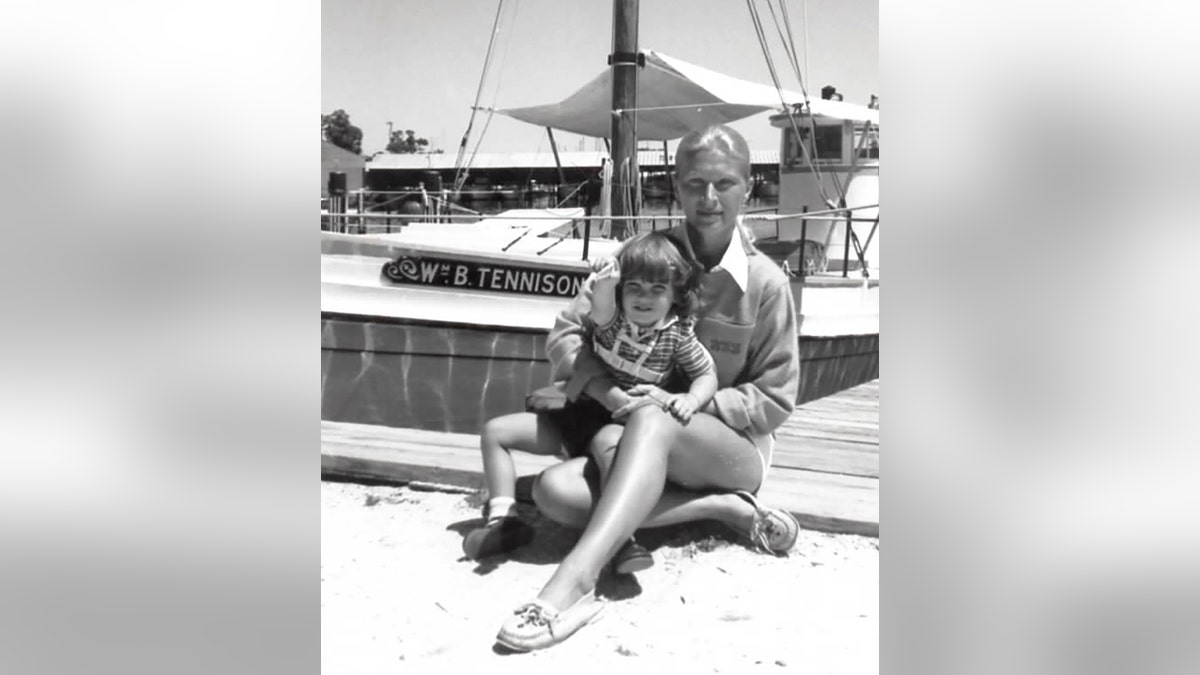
x=810 y=257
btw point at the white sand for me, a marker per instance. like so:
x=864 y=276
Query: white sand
x=397 y=595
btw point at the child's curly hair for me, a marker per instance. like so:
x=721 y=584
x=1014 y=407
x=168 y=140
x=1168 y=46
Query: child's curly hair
x=654 y=257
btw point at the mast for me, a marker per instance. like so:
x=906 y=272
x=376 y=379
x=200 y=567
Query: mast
x=625 y=61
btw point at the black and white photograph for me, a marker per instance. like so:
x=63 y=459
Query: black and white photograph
x=600 y=290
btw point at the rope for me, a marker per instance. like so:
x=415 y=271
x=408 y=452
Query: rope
x=461 y=180
x=459 y=174
x=537 y=154
x=473 y=216
x=762 y=41
x=570 y=194
x=619 y=111
x=789 y=48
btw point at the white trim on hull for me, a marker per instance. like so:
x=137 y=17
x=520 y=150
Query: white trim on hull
x=354 y=285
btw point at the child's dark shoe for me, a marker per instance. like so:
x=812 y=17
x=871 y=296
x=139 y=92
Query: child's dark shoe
x=498 y=536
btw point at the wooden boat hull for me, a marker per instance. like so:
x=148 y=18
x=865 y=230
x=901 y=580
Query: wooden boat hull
x=447 y=357
x=447 y=377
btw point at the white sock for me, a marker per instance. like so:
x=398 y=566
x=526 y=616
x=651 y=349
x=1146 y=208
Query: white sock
x=502 y=507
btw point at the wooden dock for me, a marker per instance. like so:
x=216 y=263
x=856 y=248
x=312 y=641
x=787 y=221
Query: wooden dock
x=825 y=470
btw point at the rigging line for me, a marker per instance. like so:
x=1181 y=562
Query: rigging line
x=487 y=59
x=837 y=182
x=804 y=7
x=762 y=41
x=620 y=111
x=791 y=39
x=537 y=154
x=787 y=49
x=793 y=52
x=570 y=194
x=466 y=169
x=512 y=21
x=787 y=23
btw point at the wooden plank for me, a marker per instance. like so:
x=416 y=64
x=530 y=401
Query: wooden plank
x=435 y=465
x=825 y=502
x=799 y=423
x=821 y=501
x=370 y=433
x=845 y=432
x=825 y=469
x=831 y=421
x=830 y=413
x=801 y=435
x=802 y=420
x=857 y=394
x=853 y=459
x=867 y=392
x=844 y=398
x=845 y=406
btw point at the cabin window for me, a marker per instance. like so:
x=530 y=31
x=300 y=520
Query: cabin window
x=828 y=146
x=868 y=149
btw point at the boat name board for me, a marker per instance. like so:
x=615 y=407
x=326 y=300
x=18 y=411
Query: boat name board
x=484 y=277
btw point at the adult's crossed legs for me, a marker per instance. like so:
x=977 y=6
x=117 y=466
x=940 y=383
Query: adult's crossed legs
x=653 y=448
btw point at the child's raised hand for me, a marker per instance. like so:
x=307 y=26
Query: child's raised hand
x=682 y=407
x=606 y=270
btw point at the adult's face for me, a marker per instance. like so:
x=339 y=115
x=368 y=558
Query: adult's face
x=712 y=189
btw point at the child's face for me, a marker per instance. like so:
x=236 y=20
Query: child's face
x=646 y=302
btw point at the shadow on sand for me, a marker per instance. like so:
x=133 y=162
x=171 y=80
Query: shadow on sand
x=553 y=541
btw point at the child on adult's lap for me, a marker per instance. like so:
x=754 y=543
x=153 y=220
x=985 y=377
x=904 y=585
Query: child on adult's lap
x=641 y=326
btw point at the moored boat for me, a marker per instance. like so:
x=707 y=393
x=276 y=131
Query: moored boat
x=441 y=329
x=419 y=336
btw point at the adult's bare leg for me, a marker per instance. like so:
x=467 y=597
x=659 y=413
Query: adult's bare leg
x=654 y=446
x=633 y=487
x=566 y=493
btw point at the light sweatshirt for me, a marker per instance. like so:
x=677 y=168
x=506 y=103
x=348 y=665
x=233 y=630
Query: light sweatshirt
x=747 y=321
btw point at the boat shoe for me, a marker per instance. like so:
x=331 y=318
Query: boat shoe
x=632 y=557
x=774 y=530
x=497 y=536
x=536 y=625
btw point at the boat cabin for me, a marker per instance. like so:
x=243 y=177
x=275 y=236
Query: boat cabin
x=823 y=156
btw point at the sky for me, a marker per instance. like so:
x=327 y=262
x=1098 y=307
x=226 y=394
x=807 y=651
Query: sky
x=417 y=63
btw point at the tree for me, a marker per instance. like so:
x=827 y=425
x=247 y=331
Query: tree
x=406 y=143
x=337 y=129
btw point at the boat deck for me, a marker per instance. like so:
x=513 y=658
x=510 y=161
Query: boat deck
x=825 y=470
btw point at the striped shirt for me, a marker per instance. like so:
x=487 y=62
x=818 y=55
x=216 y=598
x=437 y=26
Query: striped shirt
x=635 y=355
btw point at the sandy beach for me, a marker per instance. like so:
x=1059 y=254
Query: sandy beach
x=397 y=595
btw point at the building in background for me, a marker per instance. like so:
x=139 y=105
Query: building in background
x=334 y=158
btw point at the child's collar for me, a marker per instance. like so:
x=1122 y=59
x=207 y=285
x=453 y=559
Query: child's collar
x=662 y=324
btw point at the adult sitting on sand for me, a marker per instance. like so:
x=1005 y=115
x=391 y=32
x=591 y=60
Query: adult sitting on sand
x=718 y=460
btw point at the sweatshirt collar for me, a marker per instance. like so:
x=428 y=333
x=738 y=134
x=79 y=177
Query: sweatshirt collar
x=735 y=261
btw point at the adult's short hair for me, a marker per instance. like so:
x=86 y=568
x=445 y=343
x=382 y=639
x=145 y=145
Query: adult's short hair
x=716 y=137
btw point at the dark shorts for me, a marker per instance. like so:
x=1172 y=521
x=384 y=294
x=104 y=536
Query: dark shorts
x=578 y=422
